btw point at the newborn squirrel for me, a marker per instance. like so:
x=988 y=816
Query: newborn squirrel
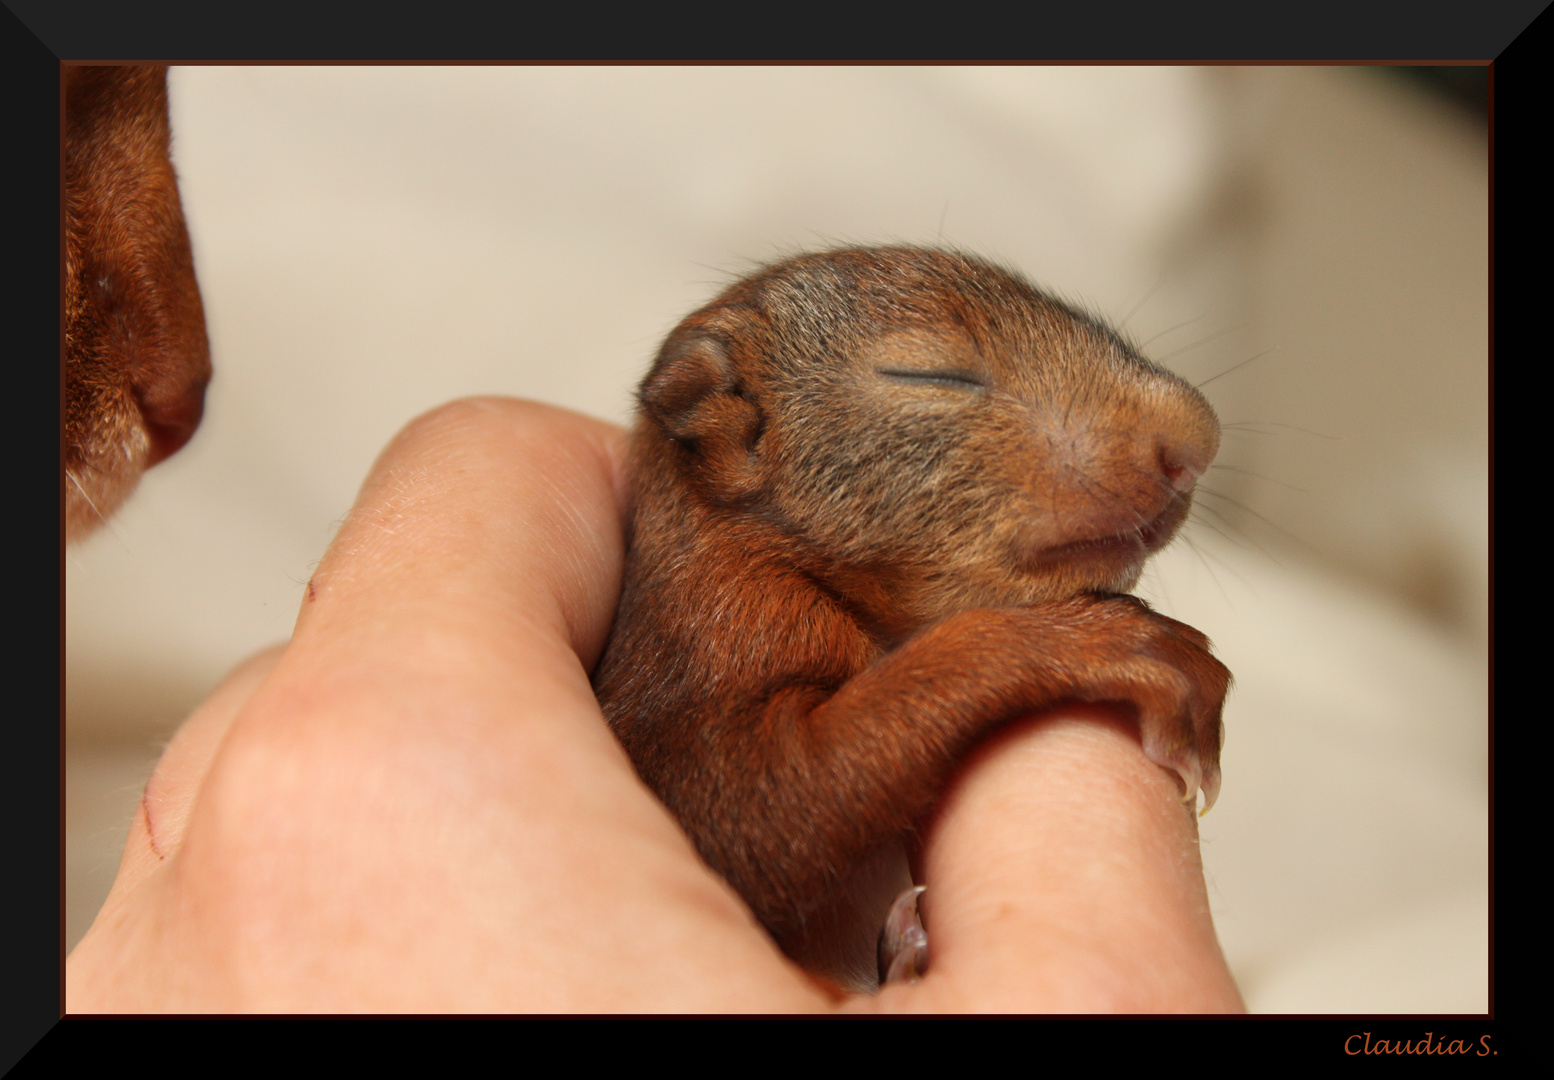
x=886 y=500
x=136 y=355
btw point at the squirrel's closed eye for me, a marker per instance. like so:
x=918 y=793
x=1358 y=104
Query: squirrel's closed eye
x=951 y=378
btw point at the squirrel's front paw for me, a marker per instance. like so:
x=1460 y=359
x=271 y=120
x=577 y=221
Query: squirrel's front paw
x=1166 y=669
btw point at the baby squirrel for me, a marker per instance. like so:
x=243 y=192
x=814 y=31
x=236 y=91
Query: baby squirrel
x=886 y=500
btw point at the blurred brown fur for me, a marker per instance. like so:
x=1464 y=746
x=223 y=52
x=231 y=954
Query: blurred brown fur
x=887 y=500
x=136 y=356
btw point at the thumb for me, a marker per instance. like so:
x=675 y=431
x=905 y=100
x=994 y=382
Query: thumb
x=1063 y=875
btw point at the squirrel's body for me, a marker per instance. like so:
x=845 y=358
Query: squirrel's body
x=886 y=500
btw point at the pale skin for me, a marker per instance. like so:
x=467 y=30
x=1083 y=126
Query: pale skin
x=415 y=804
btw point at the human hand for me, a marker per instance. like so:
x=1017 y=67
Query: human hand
x=415 y=804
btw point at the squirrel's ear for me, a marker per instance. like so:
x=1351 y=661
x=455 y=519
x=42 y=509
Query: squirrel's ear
x=689 y=371
x=695 y=396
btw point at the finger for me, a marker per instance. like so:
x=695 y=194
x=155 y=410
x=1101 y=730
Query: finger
x=158 y=829
x=508 y=507
x=425 y=774
x=560 y=589
x=1063 y=876
x=483 y=552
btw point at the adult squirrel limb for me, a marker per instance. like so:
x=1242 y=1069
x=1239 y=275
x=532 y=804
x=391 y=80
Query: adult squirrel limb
x=136 y=356
x=886 y=500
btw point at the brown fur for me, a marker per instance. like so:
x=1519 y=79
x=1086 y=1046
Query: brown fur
x=136 y=356
x=885 y=501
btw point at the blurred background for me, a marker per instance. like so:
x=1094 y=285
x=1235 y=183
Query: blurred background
x=1308 y=244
